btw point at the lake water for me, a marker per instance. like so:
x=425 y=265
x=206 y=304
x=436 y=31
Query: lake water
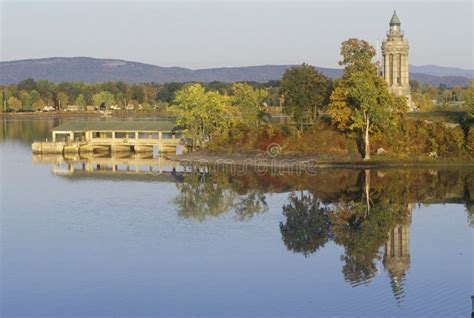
x=80 y=239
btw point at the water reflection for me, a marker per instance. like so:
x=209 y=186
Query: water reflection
x=353 y=196
x=396 y=259
x=125 y=166
x=26 y=131
x=202 y=196
x=367 y=213
x=319 y=236
x=308 y=225
x=362 y=227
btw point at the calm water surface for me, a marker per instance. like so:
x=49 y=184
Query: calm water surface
x=136 y=243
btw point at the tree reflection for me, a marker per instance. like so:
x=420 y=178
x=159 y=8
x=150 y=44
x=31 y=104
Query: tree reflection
x=470 y=213
x=362 y=226
x=367 y=213
x=307 y=226
x=362 y=234
x=253 y=203
x=469 y=194
x=27 y=131
x=202 y=195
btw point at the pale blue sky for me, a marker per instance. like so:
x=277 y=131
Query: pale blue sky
x=201 y=34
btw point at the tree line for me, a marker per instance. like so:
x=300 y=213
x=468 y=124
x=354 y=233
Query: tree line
x=31 y=95
x=428 y=97
x=299 y=84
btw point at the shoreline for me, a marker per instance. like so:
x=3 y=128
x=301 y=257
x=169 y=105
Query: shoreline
x=47 y=115
x=302 y=162
x=66 y=114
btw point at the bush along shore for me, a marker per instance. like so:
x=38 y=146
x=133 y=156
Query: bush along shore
x=415 y=141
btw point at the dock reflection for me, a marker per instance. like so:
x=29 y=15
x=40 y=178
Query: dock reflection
x=126 y=166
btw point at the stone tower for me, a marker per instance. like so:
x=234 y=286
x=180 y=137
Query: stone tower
x=395 y=61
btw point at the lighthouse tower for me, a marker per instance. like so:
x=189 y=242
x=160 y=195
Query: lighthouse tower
x=395 y=61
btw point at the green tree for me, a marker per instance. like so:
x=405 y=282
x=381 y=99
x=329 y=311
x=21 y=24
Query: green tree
x=469 y=97
x=447 y=95
x=458 y=93
x=80 y=101
x=63 y=100
x=414 y=85
x=14 y=103
x=361 y=101
x=305 y=91
x=39 y=104
x=103 y=98
x=46 y=89
x=422 y=101
x=26 y=100
x=201 y=112
x=249 y=101
x=167 y=92
x=137 y=93
x=27 y=84
x=5 y=94
x=35 y=95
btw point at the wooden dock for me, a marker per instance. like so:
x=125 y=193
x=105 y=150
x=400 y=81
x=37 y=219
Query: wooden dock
x=94 y=136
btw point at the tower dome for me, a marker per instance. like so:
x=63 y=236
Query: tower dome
x=395 y=19
x=395 y=23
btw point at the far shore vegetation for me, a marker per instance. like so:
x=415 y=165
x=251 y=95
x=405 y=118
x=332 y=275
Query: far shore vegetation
x=303 y=113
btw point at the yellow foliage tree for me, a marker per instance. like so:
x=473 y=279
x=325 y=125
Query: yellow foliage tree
x=201 y=113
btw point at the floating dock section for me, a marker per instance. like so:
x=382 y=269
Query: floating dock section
x=82 y=137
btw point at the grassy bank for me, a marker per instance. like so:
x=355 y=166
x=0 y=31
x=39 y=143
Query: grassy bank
x=455 y=117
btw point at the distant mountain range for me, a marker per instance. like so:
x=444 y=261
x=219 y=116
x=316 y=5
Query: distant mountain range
x=85 y=69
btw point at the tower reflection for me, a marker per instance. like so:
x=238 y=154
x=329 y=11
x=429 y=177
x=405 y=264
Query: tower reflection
x=396 y=259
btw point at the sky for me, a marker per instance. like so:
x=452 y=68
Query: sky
x=203 y=34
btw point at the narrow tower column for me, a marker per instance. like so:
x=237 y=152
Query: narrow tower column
x=396 y=74
x=407 y=74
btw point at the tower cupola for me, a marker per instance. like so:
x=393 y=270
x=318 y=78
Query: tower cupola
x=395 y=22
